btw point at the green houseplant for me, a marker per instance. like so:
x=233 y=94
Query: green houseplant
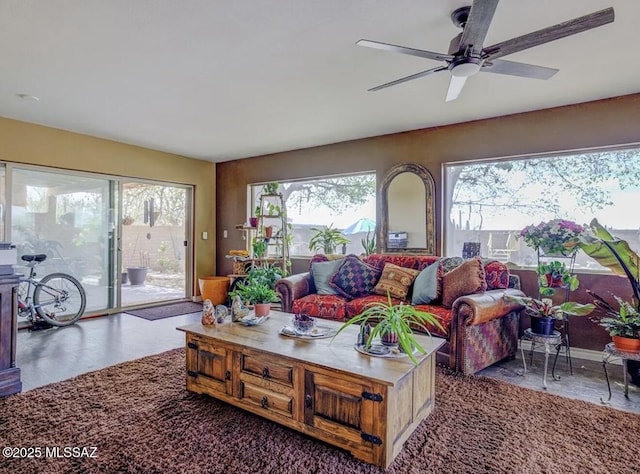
x=546 y=310
x=369 y=243
x=255 y=293
x=257 y=288
x=387 y=319
x=326 y=239
x=555 y=274
x=259 y=295
x=621 y=319
x=259 y=247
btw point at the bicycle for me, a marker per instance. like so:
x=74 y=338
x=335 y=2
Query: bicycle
x=56 y=299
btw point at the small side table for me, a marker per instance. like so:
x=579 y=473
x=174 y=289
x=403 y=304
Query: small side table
x=610 y=352
x=549 y=341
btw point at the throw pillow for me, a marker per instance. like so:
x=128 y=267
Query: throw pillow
x=322 y=272
x=395 y=280
x=354 y=278
x=426 y=288
x=449 y=263
x=466 y=279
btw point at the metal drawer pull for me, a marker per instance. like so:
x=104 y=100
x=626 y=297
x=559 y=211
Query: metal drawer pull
x=265 y=373
x=264 y=402
x=227 y=375
x=308 y=401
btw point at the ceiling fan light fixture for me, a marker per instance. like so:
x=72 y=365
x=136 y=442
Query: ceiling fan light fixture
x=465 y=68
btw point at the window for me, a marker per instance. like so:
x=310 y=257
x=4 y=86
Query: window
x=346 y=202
x=492 y=201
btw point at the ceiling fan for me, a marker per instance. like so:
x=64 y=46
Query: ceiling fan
x=467 y=55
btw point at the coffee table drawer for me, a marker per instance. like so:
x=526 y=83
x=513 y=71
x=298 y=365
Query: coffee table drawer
x=272 y=401
x=268 y=368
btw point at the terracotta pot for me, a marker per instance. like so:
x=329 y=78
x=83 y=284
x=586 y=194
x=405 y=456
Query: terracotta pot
x=268 y=232
x=262 y=309
x=214 y=288
x=627 y=344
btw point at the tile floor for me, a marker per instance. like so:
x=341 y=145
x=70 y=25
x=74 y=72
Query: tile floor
x=57 y=354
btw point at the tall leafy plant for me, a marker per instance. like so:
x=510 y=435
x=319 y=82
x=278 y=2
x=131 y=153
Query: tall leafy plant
x=614 y=254
x=369 y=243
x=326 y=239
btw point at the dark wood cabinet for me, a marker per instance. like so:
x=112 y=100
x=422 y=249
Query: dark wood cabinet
x=10 y=382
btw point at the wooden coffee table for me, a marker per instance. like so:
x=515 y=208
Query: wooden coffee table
x=321 y=387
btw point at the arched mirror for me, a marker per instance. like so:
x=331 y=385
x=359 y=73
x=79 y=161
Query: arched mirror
x=408 y=211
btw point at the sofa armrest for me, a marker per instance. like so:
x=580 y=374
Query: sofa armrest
x=484 y=329
x=292 y=288
x=483 y=307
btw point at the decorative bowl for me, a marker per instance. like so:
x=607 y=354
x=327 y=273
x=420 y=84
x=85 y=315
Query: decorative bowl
x=303 y=323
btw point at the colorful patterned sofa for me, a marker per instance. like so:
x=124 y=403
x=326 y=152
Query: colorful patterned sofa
x=481 y=326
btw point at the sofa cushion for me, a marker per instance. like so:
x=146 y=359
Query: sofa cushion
x=358 y=305
x=443 y=314
x=321 y=273
x=426 y=287
x=321 y=306
x=466 y=279
x=355 y=278
x=450 y=263
x=395 y=280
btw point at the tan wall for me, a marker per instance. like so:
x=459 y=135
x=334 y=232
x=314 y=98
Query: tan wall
x=595 y=124
x=26 y=143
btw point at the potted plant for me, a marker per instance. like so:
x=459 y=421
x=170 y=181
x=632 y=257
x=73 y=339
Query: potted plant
x=260 y=295
x=615 y=254
x=622 y=323
x=271 y=188
x=555 y=237
x=264 y=274
x=326 y=239
x=544 y=313
x=137 y=275
x=259 y=247
x=553 y=275
x=394 y=322
x=369 y=243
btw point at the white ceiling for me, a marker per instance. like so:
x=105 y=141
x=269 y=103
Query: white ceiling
x=219 y=80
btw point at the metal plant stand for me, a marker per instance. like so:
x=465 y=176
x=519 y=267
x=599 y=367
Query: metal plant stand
x=554 y=340
x=611 y=353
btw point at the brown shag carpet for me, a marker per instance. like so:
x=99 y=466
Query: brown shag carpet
x=142 y=420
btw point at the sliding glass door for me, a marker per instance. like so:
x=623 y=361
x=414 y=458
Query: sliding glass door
x=126 y=241
x=70 y=219
x=155 y=221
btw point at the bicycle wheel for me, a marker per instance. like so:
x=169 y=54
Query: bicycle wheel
x=59 y=299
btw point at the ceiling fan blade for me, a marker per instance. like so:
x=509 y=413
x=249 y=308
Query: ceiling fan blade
x=552 y=33
x=455 y=87
x=404 y=50
x=511 y=68
x=409 y=78
x=477 y=25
